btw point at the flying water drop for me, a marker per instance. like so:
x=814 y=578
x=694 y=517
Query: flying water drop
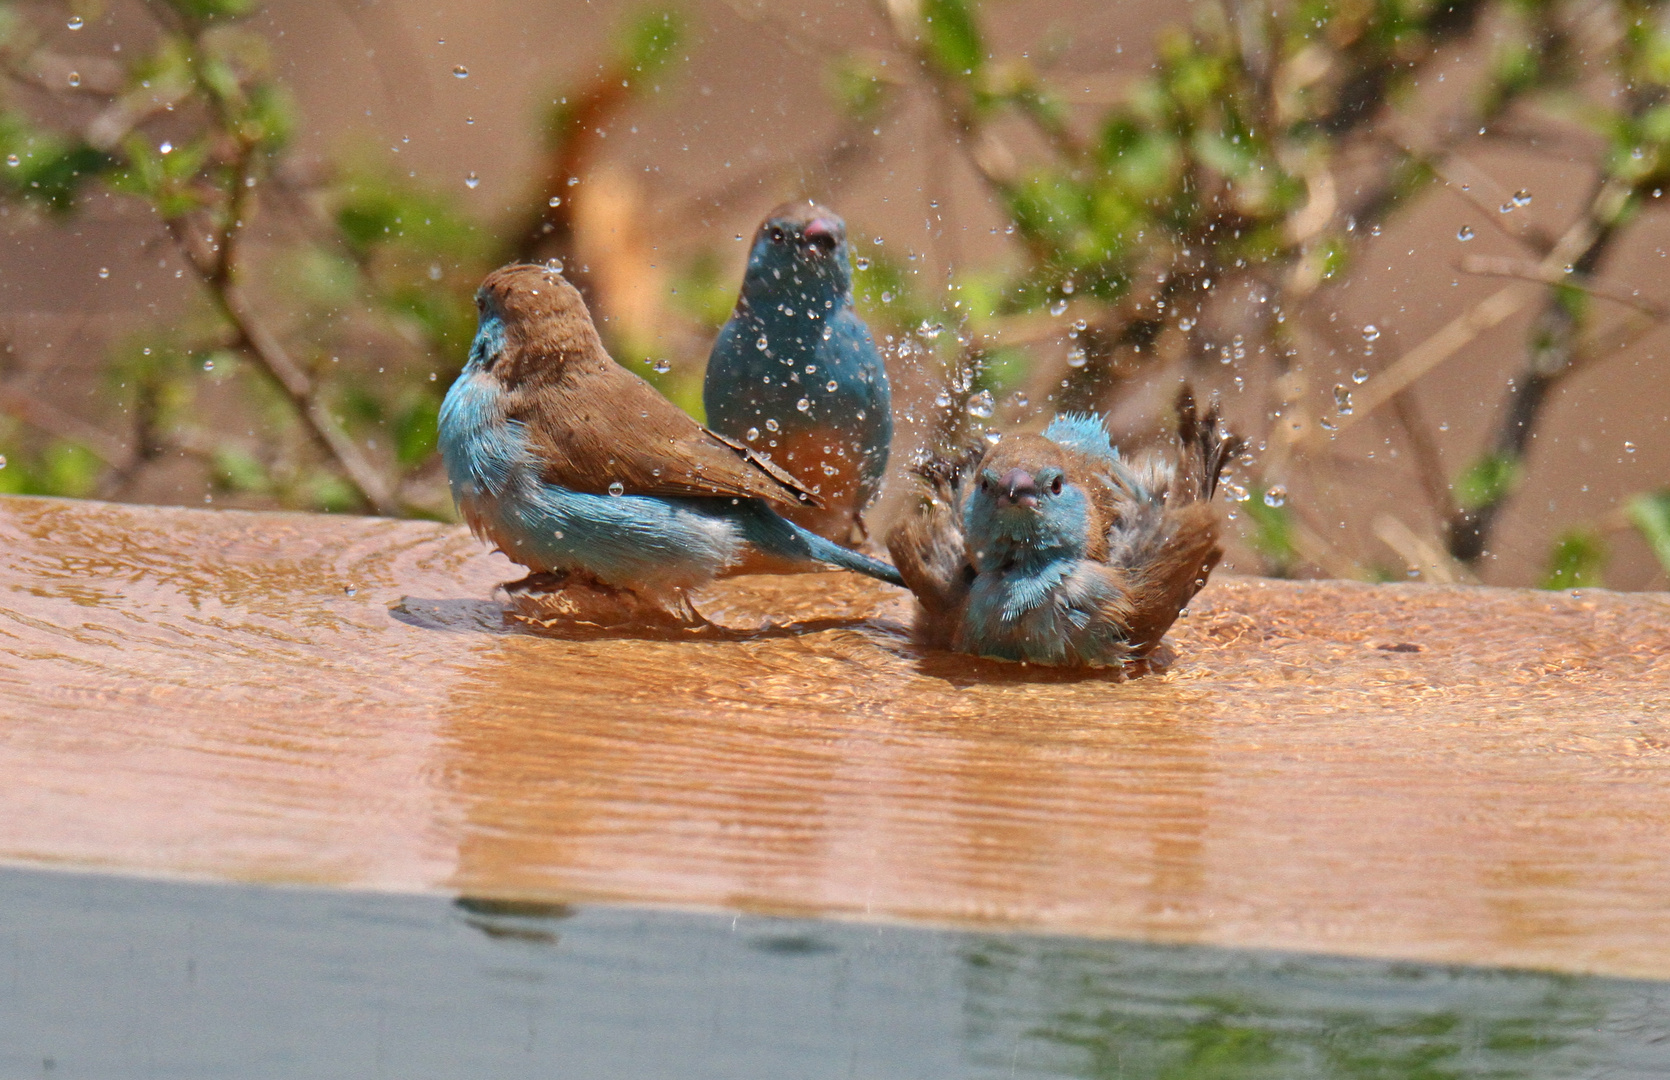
x=1342 y=400
x=75 y=23
x=1371 y=332
x=1059 y=307
x=1464 y=233
x=472 y=181
x=662 y=366
x=460 y=72
x=981 y=405
x=1360 y=376
x=617 y=488
x=1276 y=496
x=803 y=405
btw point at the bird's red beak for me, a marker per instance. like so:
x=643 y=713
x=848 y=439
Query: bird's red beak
x=822 y=233
x=1018 y=489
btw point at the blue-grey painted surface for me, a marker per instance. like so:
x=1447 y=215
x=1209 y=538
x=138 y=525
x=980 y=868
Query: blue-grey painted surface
x=105 y=977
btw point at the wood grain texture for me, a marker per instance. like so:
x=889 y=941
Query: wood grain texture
x=195 y=693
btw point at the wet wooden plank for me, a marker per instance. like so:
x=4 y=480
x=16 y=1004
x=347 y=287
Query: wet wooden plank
x=196 y=693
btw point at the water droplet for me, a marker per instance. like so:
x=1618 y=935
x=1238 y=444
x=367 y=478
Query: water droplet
x=803 y=405
x=1371 y=332
x=771 y=424
x=1076 y=357
x=1522 y=198
x=555 y=200
x=472 y=181
x=557 y=534
x=831 y=386
x=1059 y=307
x=432 y=376
x=761 y=343
x=1637 y=153
x=75 y=22
x=1080 y=325
x=460 y=72
x=166 y=148
x=981 y=405
x=75 y=78
x=942 y=399
x=887 y=298
x=1019 y=399
x=1327 y=425
x=751 y=434
x=661 y=366
x=554 y=265
x=930 y=330
x=1360 y=376
x=13 y=161
x=877 y=241
x=862 y=262
x=1276 y=496
x=1236 y=493
x=617 y=488
x=994 y=437
x=1464 y=233
x=349 y=590
x=1342 y=400
x=208 y=365
x=1067 y=287
x=2 y=461
x=1629 y=447
x=104 y=271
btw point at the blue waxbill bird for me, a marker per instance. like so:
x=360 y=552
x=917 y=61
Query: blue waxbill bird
x=581 y=471
x=795 y=374
x=1050 y=549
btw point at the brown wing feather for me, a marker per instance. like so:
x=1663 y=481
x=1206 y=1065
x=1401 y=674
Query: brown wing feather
x=599 y=424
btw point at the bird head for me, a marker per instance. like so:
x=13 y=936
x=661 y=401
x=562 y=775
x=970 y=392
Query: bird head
x=800 y=252
x=1024 y=499
x=530 y=323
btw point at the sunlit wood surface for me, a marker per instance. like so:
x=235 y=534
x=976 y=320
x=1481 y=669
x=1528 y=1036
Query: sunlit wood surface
x=296 y=698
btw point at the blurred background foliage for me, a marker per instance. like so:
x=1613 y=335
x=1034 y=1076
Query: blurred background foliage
x=1198 y=218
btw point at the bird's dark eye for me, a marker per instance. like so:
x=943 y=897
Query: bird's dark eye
x=985 y=485
x=1055 y=486
x=776 y=235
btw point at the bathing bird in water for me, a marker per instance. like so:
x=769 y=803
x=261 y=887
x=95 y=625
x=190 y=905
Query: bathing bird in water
x=1052 y=549
x=582 y=472
x=795 y=375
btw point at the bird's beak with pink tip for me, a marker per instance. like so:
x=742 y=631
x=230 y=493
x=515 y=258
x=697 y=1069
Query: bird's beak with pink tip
x=1018 y=488
x=822 y=234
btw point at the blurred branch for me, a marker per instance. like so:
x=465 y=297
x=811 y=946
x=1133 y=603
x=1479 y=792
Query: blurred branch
x=19 y=403
x=1525 y=270
x=1554 y=344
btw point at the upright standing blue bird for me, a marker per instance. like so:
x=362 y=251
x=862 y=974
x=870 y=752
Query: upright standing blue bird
x=579 y=470
x=1050 y=549
x=795 y=375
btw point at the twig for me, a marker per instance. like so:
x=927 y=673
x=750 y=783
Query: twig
x=1525 y=270
x=1451 y=338
x=54 y=421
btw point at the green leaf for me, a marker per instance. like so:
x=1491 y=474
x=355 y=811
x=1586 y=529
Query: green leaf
x=1487 y=481
x=951 y=36
x=651 y=41
x=239 y=470
x=1576 y=559
x=857 y=87
x=1650 y=514
x=212 y=9
x=416 y=429
x=1272 y=534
